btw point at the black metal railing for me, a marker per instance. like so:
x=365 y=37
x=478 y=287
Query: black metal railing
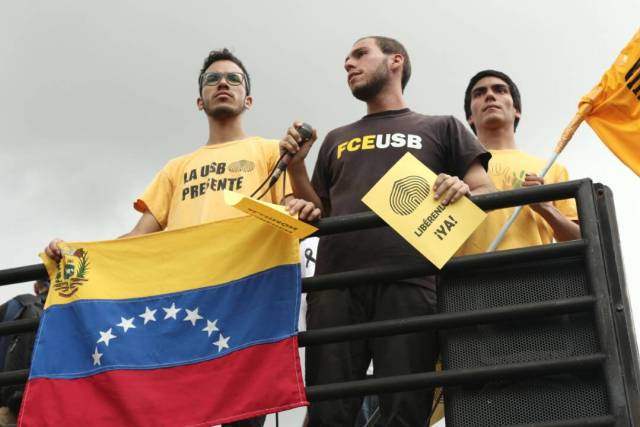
x=581 y=190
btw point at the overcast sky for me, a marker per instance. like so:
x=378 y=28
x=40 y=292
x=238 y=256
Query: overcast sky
x=95 y=97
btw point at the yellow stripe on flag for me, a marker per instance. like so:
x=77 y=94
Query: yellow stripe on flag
x=156 y=263
x=614 y=106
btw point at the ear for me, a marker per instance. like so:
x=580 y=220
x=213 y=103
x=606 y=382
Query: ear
x=396 y=61
x=200 y=103
x=248 y=102
x=470 y=121
x=517 y=114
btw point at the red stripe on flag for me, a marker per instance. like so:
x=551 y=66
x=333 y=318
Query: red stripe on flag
x=254 y=381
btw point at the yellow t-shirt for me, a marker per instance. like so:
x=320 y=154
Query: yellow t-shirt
x=507 y=169
x=189 y=189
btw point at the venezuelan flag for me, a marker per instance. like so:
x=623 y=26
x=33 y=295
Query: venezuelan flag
x=192 y=327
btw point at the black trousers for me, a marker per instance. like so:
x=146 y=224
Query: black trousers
x=251 y=422
x=392 y=355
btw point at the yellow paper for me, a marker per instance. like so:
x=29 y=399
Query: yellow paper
x=274 y=215
x=404 y=199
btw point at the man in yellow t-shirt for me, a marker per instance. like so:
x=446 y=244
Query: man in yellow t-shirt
x=493 y=107
x=189 y=189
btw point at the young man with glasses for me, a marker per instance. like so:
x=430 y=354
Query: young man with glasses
x=189 y=189
x=352 y=159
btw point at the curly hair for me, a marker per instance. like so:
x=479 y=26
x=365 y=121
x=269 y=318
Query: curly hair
x=223 y=55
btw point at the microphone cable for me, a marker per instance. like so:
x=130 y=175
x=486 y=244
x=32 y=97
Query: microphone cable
x=268 y=178
x=280 y=167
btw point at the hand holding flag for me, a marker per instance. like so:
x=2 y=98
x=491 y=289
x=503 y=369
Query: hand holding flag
x=612 y=109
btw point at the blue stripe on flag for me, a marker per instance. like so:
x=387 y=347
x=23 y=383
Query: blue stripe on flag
x=91 y=336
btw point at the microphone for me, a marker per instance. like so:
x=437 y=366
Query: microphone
x=306 y=131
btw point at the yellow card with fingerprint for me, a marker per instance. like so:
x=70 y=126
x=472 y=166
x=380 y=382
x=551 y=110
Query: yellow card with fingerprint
x=274 y=215
x=403 y=197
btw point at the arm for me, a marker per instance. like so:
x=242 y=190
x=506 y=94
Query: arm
x=451 y=188
x=303 y=189
x=563 y=228
x=300 y=183
x=478 y=180
x=146 y=224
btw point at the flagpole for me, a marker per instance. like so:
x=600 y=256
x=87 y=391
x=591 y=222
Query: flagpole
x=566 y=136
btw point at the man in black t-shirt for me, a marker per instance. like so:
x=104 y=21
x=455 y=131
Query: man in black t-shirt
x=352 y=159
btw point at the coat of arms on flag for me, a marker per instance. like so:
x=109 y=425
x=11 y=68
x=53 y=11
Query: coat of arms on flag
x=71 y=272
x=192 y=327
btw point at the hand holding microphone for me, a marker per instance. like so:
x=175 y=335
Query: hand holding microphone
x=293 y=150
x=294 y=146
x=297 y=143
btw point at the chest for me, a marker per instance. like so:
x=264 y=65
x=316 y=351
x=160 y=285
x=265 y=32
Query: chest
x=365 y=156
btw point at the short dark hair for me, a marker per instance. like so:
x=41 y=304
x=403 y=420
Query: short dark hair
x=223 y=55
x=392 y=46
x=513 y=90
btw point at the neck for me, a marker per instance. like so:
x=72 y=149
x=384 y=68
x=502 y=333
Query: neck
x=388 y=99
x=225 y=130
x=497 y=139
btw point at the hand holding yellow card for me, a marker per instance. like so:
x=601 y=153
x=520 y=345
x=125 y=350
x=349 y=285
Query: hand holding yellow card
x=404 y=199
x=275 y=215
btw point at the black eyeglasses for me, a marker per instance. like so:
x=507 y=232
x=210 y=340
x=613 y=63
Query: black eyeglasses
x=214 y=78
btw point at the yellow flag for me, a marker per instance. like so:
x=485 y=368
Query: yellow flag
x=613 y=106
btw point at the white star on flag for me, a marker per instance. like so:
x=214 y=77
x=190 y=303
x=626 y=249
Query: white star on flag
x=105 y=337
x=222 y=342
x=192 y=316
x=211 y=326
x=148 y=315
x=96 y=357
x=126 y=324
x=171 y=312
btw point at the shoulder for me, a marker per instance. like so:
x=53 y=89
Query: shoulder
x=179 y=162
x=559 y=173
x=175 y=167
x=258 y=142
x=263 y=147
x=446 y=127
x=264 y=142
x=338 y=132
x=436 y=120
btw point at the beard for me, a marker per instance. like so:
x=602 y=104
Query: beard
x=222 y=112
x=372 y=88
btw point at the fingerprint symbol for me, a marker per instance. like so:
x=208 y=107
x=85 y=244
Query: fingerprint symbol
x=407 y=194
x=242 y=166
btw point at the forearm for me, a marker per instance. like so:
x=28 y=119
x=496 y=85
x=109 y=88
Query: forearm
x=478 y=180
x=484 y=188
x=301 y=186
x=563 y=228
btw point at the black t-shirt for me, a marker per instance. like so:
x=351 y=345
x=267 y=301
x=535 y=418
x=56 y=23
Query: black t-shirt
x=353 y=158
